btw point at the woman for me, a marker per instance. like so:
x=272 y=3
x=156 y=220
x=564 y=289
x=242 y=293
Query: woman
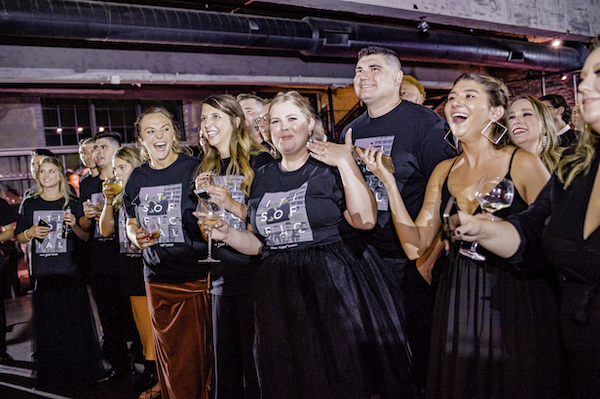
x=159 y=192
x=113 y=217
x=495 y=329
x=531 y=127
x=566 y=215
x=67 y=352
x=326 y=321
x=230 y=160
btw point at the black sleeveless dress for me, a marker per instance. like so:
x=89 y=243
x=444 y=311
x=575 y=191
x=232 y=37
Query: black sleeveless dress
x=495 y=331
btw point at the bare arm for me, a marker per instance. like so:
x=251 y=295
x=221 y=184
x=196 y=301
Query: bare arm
x=8 y=232
x=529 y=175
x=243 y=241
x=107 y=218
x=415 y=236
x=361 y=208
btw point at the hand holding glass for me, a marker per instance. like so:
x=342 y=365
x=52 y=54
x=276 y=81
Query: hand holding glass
x=493 y=193
x=209 y=211
x=152 y=230
x=115 y=185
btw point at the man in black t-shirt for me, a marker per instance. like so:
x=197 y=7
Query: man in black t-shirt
x=113 y=307
x=413 y=136
x=7 y=218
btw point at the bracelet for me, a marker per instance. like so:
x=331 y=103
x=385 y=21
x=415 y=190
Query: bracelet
x=26 y=237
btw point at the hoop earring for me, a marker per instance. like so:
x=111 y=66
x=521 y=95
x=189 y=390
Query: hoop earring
x=450 y=142
x=504 y=130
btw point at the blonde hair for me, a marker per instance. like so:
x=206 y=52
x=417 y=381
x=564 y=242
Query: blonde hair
x=242 y=144
x=177 y=146
x=294 y=98
x=548 y=150
x=63 y=184
x=413 y=81
x=134 y=157
x=580 y=160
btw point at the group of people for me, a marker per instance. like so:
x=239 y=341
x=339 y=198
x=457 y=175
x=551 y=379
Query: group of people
x=335 y=275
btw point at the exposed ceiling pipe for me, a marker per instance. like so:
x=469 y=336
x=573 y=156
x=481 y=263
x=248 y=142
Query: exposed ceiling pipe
x=115 y=22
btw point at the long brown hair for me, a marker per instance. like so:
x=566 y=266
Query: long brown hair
x=242 y=144
x=63 y=184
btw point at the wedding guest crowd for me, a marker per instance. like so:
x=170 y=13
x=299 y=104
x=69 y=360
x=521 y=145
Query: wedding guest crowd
x=280 y=264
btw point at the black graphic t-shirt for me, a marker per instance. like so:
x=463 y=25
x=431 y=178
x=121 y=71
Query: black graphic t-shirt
x=165 y=197
x=299 y=209
x=413 y=136
x=232 y=275
x=53 y=256
x=102 y=254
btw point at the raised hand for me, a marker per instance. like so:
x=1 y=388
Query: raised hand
x=330 y=153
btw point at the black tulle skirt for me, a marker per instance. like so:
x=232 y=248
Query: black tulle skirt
x=65 y=343
x=495 y=333
x=330 y=325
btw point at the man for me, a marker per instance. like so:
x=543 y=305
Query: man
x=412 y=90
x=263 y=126
x=413 y=136
x=7 y=218
x=560 y=110
x=113 y=307
x=252 y=105
x=86 y=149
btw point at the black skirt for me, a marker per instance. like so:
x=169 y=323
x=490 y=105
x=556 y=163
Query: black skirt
x=330 y=325
x=495 y=333
x=67 y=352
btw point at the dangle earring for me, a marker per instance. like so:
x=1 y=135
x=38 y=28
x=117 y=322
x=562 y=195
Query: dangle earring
x=504 y=130
x=450 y=140
x=545 y=141
x=202 y=142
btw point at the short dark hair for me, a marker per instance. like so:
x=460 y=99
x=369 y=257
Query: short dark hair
x=389 y=54
x=110 y=135
x=558 y=101
x=42 y=151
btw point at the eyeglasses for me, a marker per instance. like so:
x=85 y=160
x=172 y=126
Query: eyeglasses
x=263 y=118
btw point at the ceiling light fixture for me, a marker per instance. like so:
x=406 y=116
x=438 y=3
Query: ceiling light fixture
x=423 y=25
x=557 y=42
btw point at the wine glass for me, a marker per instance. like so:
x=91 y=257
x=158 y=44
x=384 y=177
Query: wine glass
x=493 y=193
x=210 y=211
x=115 y=185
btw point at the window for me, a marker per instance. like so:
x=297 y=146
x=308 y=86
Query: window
x=67 y=121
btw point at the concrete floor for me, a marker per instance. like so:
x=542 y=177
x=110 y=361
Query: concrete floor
x=17 y=382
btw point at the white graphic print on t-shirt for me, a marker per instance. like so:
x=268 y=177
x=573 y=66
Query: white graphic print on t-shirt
x=282 y=219
x=125 y=246
x=162 y=205
x=53 y=243
x=233 y=184
x=385 y=143
x=97 y=202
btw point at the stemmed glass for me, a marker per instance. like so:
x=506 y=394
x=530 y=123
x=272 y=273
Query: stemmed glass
x=210 y=211
x=493 y=194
